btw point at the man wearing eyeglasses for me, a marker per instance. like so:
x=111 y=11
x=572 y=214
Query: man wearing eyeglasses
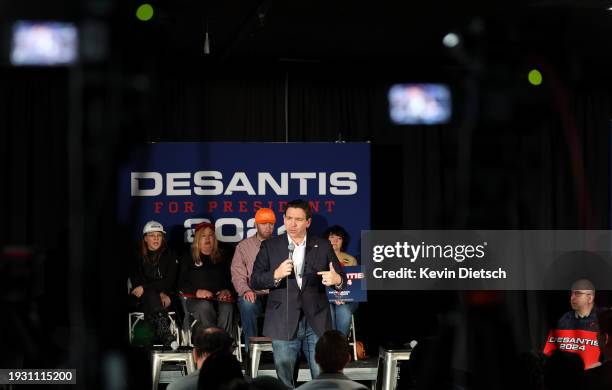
x=583 y=315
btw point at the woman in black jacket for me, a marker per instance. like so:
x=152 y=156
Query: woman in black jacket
x=205 y=278
x=153 y=276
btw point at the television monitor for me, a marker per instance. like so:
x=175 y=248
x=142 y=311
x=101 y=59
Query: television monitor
x=419 y=104
x=44 y=43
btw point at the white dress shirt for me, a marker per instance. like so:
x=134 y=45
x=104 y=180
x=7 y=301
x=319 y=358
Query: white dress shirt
x=298 y=259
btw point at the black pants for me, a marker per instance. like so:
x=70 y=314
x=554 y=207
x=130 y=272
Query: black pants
x=149 y=303
x=218 y=314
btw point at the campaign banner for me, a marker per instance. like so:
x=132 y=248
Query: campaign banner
x=183 y=184
x=355 y=289
x=582 y=342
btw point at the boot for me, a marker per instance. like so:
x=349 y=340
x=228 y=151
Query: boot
x=161 y=324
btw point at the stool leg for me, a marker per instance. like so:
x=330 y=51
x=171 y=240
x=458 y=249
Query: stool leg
x=190 y=364
x=377 y=382
x=156 y=368
x=255 y=355
x=394 y=371
x=174 y=329
x=239 y=342
x=388 y=373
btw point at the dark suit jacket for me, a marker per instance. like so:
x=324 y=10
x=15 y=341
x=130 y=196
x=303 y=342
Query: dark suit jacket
x=312 y=298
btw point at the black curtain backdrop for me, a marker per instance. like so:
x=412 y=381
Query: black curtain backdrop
x=514 y=157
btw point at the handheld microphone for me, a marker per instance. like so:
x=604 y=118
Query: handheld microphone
x=291 y=248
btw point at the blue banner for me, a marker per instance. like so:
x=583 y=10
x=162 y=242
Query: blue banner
x=182 y=184
x=355 y=289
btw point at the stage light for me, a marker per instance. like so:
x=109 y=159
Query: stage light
x=206 y=40
x=451 y=40
x=144 y=12
x=534 y=77
x=206 y=44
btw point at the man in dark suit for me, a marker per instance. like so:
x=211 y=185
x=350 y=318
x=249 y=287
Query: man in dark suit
x=296 y=267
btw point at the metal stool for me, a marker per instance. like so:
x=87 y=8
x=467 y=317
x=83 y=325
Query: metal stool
x=390 y=358
x=257 y=345
x=159 y=357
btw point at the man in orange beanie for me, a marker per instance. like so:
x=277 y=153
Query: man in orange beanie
x=250 y=302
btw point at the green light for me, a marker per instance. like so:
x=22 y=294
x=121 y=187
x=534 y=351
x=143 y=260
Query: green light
x=144 y=12
x=534 y=77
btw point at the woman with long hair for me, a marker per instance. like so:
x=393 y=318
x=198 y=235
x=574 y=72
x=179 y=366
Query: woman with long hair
x=152 y=276
x=341 y=312
x=205 y=278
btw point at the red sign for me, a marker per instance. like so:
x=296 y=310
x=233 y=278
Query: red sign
x=582 y=342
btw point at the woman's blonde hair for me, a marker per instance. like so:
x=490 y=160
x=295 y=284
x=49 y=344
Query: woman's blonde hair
x=215 y=255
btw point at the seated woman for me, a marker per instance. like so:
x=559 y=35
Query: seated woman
x=341 y=312
x=206 y=279
x=153 y=275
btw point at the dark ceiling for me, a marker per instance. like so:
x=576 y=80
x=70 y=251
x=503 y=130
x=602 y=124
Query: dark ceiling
x=321 y=30
x=571 y=33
